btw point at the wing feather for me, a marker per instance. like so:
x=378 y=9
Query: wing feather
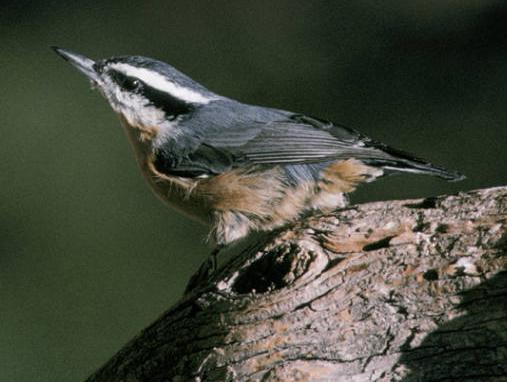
x=283 y=138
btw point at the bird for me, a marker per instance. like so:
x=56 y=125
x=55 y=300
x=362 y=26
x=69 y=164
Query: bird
x=236 y=167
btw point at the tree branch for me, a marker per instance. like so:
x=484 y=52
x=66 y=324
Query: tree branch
x=389 y=291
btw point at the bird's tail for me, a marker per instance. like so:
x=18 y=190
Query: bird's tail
x=400 y=161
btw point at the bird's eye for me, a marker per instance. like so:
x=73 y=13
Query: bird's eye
x=131 y=84
x=127 y=83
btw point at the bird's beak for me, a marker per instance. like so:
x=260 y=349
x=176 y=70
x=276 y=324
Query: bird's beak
x=82 y=63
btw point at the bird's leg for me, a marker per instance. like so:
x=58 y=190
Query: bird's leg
x=207 y=269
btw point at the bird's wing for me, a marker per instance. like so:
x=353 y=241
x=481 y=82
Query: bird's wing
x=293 y=139
x=301 y=139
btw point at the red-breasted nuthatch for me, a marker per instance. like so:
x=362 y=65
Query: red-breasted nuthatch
x=233 y=166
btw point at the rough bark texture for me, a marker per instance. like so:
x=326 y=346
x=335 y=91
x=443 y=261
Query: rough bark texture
x=389 y=291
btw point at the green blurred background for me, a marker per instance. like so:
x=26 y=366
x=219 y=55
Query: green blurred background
x=88 y=256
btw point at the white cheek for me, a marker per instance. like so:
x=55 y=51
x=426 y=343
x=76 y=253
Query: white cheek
x=131 y=106
x=138 y=113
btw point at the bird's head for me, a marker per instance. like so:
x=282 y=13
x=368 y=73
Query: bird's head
x=147 y=93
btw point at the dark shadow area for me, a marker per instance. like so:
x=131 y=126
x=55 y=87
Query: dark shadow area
x=472 y=347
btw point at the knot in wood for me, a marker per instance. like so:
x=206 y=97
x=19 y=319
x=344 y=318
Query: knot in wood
x=275 y=269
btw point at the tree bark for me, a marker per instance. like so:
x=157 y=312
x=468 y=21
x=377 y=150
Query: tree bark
x=412 y=290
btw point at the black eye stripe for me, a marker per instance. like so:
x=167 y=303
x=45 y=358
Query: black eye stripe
x=170 y=104
x=126 y=82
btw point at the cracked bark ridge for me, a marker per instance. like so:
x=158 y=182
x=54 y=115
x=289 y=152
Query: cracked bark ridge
x=388 y=291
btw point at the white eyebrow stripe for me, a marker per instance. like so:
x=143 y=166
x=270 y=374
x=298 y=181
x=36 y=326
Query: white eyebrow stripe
x=158 y=81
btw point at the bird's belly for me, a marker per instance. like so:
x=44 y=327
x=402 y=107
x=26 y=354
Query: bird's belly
x=256 y=200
